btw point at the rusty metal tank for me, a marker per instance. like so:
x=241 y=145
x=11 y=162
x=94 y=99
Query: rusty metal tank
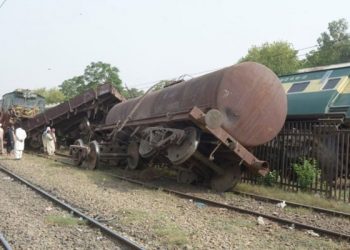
x=249 y=95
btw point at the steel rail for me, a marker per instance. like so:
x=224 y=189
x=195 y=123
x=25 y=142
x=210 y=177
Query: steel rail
x=73 y=210
x=238 y=209
x=293 y=204
x=4 y=242
x=275 y=200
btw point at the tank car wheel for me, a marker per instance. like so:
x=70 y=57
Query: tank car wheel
x=228 y=180
x=133 y=155
x=178 y=154
x=93 y=158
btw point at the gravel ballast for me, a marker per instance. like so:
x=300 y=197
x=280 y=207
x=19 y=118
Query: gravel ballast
x=158 y=220
x=302 y=215
x=28 y=221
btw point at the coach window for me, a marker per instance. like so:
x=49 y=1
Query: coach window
x=331 y=83
x=298 y=87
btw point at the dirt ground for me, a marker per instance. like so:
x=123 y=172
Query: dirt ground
x=157 y=220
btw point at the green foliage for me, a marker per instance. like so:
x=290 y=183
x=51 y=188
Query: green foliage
x=99 y=73
x=72 y=87
x=333 y=46
x=95 y=74
x=171 y=234
x=268 y=180
x=60 y=220
x=161 y=84
x=53 y=95
x=306 y=172
x=279 y=56
x=132 y=93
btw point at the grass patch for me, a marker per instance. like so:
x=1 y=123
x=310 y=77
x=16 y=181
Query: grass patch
x=160 y=225
x=171 y=234
x=298 y=210
x=99 y=176
x=60 y=220
x=303 y=241
x=298 y=197
x=135 y=216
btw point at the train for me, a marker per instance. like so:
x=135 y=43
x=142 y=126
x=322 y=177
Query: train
x=316 y=127
x=204 y=128
x=209 y=128
x=319 y=93
x=20 y=105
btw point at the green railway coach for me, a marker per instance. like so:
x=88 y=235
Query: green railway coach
x=319 y=92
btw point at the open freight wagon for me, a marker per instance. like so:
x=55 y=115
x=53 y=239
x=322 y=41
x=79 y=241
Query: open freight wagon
x=75 y=118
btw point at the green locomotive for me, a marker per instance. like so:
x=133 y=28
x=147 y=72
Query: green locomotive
x=20 y=104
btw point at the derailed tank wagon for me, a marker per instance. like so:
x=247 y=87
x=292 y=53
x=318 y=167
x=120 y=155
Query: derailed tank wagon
x=204 y=128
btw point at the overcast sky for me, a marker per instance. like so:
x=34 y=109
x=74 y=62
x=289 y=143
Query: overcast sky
x=44 y=42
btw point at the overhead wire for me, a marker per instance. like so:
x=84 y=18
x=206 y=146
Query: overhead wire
x=2 y=4
x=147 y=84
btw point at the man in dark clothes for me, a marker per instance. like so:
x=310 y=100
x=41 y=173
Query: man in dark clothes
x=10 y=140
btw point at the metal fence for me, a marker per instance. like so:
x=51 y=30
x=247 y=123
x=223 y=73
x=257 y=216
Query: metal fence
x=319 y=142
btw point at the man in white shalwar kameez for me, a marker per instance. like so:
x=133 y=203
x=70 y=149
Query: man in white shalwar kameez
x=20 y=136
x=44 y=140
x=50 y=143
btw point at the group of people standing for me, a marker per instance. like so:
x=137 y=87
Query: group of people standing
x=14 y=140
x=49 y=141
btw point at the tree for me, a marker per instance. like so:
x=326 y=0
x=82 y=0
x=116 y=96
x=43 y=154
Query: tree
x=72 y=87
x=94 y=74
x=100 y=73
x=53 y=95
x=333 y=46
x=161 y=84
x=279 y=56
x=132 y=93
x=166 y=83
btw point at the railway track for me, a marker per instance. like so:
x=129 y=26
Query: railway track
x=273 y=218
x=238 y=209
x=274 y=200
x=104 y=229
x=293 y=204
x=4 y=242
